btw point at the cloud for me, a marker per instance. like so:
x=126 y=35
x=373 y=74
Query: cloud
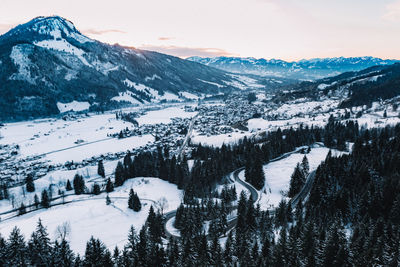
x=185 y=52
x=392 y=12
x=100 y=32
x=165 y=38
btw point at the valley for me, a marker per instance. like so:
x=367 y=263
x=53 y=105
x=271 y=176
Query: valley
x=117 y=156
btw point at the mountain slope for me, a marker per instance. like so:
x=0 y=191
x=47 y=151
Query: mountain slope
x=304 y=69
x=352 y=88
x=48 y=61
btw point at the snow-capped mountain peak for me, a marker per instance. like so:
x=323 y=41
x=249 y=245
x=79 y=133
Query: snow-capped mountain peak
x=45 y=28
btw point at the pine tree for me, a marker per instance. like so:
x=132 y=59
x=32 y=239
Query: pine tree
x=39 y=247
x=119 y=174
x=68 y=187
x=62 y=254
x=16 y=249
x=130 y=249
x=109 y=186
x=130 y=199
x=297 y=181
x=45 y=199
x=79 y=184
x=137 y=205
x=96 y=254
x=30 y=185
x=229 y=250
x=305 y=166
x=96 y=189
x=216 y=253
x=3 y=251
x=100 y=169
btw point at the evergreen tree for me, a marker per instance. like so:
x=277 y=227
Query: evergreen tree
x=30 y=185
x=96 y=254
x=109 y=186
x=96 y=189
x=62 y=255
x=68 y=187
x=79 y=184
x=3 y=251
x=16 y=249
x=305 y=166
x=100 y=169
x=137 y=205
x=119 y=174
x=39 y=247
x=45 y=199
x=297 y=181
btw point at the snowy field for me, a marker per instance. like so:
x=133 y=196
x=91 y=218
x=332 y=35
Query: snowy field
x=277 y=174
x=218 y=140
x=91 y=215
x=81 y=138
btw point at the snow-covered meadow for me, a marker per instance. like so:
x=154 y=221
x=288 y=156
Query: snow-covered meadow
x=278 y=173
x=89 y=215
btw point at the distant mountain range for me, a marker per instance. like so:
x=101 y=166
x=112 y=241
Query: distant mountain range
x=48 y=66
x=352 y=88
x=311 y=69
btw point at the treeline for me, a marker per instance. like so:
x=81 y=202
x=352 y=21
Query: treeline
x=210 y=165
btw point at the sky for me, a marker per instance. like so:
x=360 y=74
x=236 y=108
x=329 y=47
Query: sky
x=285 y=29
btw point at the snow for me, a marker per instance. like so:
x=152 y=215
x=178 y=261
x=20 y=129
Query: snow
x=128 y=97
x=63 y=46
x=74 y=106
x=212 y=83
x=45 y=136
x=189 y=95
x=164 y=115
x=111 y=145
x=19 y=56
x=170 y=227
x=250 y=82
x=150 y=91
x=91 y=216
x=218 y=140
x=152 y=78
x=278 y=173
x=322 y=86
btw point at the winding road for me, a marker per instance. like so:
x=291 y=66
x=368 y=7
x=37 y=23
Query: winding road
x=253 y=193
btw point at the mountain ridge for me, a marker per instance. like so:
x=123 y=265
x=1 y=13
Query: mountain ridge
x=47 y=60
x=305 y=69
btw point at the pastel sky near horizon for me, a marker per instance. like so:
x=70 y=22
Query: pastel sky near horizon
x=285 y=29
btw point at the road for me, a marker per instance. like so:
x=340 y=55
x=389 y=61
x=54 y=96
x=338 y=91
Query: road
x=232 y=222
x=188 y=135
x=253 y=193
x=304 y=191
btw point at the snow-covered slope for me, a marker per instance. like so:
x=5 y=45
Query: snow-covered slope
x=47 y=60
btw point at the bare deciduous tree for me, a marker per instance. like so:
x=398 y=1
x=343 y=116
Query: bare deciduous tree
x=63 y=230
x=162 y=204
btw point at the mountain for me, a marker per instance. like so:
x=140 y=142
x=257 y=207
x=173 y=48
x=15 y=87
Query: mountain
x=47 y=66
x=352 y=88
x=304 y=69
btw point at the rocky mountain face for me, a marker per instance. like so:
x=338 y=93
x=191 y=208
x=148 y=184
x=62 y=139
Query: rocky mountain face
x=304 y=69
x=48 y=66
